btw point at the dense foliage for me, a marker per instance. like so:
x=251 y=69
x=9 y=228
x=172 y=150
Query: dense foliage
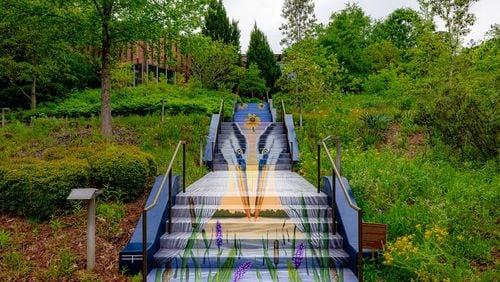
x=214 y=64
x=144 y=99
x=218 y=27
x=27 y=189
x=404 y=56
x=260 y=53
x=38 y=188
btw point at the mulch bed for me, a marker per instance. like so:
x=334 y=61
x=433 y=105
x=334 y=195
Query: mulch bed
x=41 y=244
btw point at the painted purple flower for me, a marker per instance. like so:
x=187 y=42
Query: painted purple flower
x=299 y=255
x=218 y=234
x=240 y=272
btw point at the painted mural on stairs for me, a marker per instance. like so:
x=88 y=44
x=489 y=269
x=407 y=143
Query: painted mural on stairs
x=250 y=224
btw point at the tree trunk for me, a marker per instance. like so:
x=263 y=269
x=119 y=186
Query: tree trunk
x=33 y=93
x=106 y=128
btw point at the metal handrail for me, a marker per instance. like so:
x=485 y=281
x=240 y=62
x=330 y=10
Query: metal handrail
x=290 y=143
x=283 y=113
x=167 y=175
x=219 y=129
x=336 y=174
x=234 y=107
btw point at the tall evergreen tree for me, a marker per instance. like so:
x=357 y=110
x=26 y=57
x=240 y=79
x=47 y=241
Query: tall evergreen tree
x=218 y=27
x=300 y=21
x=235 y=34
x=260 y=53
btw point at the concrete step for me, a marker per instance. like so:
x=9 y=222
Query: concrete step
x=211 y=197
x=182 y=224
x=184 y=210
x=282 y=155
x=248 y=241
x=284 y=167
x=332 y=257
x=337 y=274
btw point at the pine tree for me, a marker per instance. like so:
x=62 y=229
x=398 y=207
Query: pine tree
x=300 y=21
x=218 y=27
x=260 y=53
x=235 y=34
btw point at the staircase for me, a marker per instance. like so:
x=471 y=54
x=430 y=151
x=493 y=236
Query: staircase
x=252 y=218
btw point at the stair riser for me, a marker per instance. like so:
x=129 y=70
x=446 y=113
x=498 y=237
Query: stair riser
x=218 y=167
x=253 y=243
x=230 y=131
x=281 y=160
x=214 y=200
x=257 y=262
x=273 y=156
x=186 y=226
x=186 y=213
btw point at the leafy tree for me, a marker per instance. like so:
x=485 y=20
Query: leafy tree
x=260 y=53
x=382 y=55
x=213 y=62
x=402 y=27
x=300 y=21
x=308 y=71
x=130 y=21
x=217 y=25
x=252 y=83
x=347 y=37
x=32 y=50
x=457 y=20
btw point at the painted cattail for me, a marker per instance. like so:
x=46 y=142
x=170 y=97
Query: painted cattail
x=276 y=252
x=192 y=212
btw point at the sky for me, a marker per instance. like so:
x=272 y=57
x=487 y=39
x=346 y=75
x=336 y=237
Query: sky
x=267 y=15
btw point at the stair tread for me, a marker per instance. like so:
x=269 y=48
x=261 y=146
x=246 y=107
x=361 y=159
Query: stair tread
x=250 y=253
x=242 y=236
x=237 y=221
x=263 y=207
x=251 y=275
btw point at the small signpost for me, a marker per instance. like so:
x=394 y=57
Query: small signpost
x=88 y=194
x=163 y=109
x=3 y=116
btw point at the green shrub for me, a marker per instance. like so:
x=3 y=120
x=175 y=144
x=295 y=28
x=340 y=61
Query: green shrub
x=58 y=153
x=38 y=188
x=467 y=123
x=142 y=100
x=373 y=127
x=123 y=171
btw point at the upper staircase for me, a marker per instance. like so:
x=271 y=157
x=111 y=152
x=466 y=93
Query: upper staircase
x=251 y=218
